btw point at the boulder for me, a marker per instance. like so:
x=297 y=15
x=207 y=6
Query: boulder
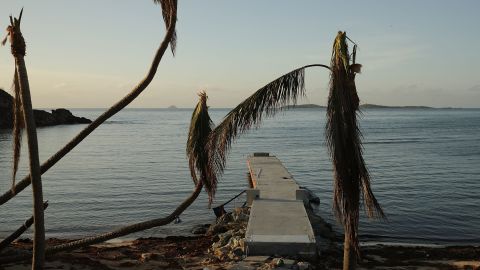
x=6 y=107
x=200 y=229
x=303 y=265
x=64 y=116
x=42 y=118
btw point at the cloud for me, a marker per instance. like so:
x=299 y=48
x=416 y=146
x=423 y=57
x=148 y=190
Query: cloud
x=475 y=88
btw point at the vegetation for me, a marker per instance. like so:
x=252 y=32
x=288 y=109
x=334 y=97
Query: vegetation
x=23 y=103
x=207 y=147
x=198 y=158
x=169 y=11
x=351 y=177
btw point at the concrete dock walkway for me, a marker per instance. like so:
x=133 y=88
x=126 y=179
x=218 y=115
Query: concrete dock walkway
x=278 y=221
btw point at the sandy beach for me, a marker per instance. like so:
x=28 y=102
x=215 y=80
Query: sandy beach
x=221 y=246
x=192 y=253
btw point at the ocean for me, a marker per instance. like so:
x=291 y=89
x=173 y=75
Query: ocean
x=425 y=167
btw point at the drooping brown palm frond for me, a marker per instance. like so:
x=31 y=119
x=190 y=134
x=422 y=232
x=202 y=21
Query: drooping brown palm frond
x=169 y=12
x=17 y=113
x=351 y=177
x=264 y=102
x=198 y=158
x=17 y=127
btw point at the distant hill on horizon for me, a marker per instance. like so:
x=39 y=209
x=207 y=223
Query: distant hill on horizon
x=362 y=106
x=316 y=106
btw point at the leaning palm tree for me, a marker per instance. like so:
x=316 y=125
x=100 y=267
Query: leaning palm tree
x=343 y=136
x=169 y=12
x=200 y=128
x=22 y=89
x=21 y=85
x=351 y=177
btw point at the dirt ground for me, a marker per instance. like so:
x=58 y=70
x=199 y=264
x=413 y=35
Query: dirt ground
x=192 y=253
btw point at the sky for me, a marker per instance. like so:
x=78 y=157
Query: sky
x=89 y=54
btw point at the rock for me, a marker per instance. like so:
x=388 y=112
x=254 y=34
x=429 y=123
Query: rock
x=216 y=229
x=200 y=229
x=238 y=252
x=221 y=252
x=260 y=259
x=288 y=263
x=241 y=217
x=224 y=238
x=64 y=116
x=303 y=265
x=6 y=109
x=278 y=262
x=42 y=118
x=145 y=257
x=241 y=266
x=240 y=232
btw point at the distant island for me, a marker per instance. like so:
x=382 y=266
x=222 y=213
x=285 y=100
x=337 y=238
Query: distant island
x=304 y=106
x=363 y=106
x=172 y=107
x=42 y=118
x=375 y=106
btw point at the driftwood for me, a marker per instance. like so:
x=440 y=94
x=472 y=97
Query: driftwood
x=9 y=239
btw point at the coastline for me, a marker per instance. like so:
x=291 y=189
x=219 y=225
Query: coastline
x=220 y=246
x=191 y=253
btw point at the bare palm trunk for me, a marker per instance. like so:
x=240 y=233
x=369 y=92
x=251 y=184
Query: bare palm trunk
x=21 y=185
x=116 y=233
x=349 y=256
x=39 y=225
x=18 y=51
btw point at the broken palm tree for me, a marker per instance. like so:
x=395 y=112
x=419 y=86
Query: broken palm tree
x=200 y=128
x=198 y=158
x=22 y=89
x=351 y=177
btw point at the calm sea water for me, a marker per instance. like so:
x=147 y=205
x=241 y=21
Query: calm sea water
x=424 y=164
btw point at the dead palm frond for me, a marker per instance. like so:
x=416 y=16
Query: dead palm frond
x=264 y=102
x=169 y=11
x=351 y=177
x=17 y=127
x=198 y=158
x=16 y=41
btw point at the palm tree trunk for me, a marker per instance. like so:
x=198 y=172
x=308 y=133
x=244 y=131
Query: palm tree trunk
x=39 y=226
x=116 y=233
x=25 y=182
x=349 y=256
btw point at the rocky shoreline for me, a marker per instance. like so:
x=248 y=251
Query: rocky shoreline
x=42 y=118
x=221 y=246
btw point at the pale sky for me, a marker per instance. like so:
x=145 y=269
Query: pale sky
x=83 y=54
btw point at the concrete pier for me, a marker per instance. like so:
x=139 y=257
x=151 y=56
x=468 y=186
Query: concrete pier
x=278 y=221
